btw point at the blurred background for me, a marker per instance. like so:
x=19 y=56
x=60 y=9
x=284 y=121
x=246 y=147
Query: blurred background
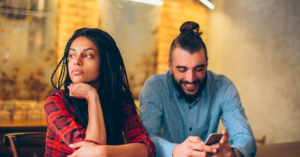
x=254 y=43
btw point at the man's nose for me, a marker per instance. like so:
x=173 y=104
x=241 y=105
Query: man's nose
x=190 y=76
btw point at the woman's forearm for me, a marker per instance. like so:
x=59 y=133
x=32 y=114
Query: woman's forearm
x=96 y=127
x=126 y=150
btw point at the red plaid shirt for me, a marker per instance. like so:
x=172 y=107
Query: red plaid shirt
x=63 y=130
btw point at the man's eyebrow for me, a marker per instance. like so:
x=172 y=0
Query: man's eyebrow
x=198 y=66
x=180 y=66
x=201 y=65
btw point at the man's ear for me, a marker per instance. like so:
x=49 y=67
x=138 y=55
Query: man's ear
x=207 y=62
x=170 y=66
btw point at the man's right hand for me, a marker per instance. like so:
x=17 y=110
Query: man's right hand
x=193 y=146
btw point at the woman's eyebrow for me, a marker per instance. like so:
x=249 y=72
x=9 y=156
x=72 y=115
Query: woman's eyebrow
x=88 y=49
x=73 y=49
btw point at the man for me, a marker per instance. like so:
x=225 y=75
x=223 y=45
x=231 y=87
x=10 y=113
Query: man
x=181 y=107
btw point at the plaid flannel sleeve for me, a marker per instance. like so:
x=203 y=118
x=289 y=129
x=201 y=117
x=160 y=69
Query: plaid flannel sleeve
x=62 y=120
x=134 y=130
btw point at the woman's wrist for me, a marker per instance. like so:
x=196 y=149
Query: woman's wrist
x=92 y=95
x=103 y=150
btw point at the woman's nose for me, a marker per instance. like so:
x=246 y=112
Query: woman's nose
x=77 y=61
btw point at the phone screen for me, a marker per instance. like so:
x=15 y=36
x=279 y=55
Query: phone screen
x=213 y=138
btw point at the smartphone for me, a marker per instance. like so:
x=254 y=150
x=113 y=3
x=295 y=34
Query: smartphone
x=213 y=138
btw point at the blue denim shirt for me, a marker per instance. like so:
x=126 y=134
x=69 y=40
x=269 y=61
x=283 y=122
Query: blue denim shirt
x=170 y=119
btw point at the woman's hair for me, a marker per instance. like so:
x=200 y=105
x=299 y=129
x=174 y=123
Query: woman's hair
x=189 y=39
x=114 y=88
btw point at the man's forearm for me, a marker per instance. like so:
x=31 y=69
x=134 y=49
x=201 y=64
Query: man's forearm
x=162 y=146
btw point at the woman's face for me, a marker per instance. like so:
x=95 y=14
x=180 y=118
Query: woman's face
x=84 y=62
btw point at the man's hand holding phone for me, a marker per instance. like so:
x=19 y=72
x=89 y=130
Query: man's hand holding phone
x=215 y=145
x=213 y=138
x=193 y=146
x=223 y=147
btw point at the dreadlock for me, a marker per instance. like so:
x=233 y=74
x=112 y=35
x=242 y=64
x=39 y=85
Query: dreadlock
x=114 y=89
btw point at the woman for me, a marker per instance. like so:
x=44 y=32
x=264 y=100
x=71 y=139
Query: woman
x=88 y=117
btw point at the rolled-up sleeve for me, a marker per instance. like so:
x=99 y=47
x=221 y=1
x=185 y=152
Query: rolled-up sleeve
x=236 y=123
x=134 y=130
x=62 y=121
x=151 y=113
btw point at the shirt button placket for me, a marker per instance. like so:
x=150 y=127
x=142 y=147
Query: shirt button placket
x=190 y=118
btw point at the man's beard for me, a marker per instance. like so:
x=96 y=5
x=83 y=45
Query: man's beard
x=188 y=97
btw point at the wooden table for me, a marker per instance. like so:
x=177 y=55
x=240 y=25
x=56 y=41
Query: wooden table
x=23 y=123
x=11 y=126
x=290 y=149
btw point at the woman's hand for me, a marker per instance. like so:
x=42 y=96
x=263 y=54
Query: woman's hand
x=81 y=91
x=96 y=126
x=88 y=149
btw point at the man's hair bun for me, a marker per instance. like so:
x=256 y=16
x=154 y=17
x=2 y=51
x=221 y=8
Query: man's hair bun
x=190 y=27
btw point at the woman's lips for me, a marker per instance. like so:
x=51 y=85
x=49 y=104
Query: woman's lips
x=77 y=72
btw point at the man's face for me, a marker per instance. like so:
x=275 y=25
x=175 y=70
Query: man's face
x=188 y=70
